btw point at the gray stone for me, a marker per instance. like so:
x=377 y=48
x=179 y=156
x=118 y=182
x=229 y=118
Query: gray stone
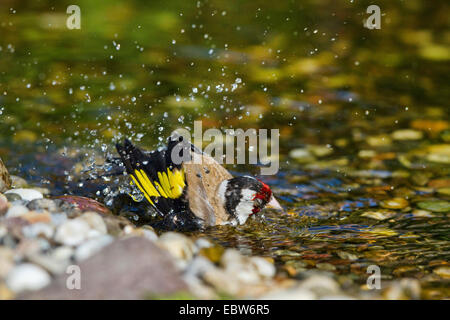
x=12 y=197
x=132 y=268
x=44 y=204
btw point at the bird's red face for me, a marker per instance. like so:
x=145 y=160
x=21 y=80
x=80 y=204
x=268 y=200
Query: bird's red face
x=261 y=198
x=243 y=197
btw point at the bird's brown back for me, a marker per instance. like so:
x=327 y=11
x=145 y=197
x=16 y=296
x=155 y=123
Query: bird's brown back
x=203 y=176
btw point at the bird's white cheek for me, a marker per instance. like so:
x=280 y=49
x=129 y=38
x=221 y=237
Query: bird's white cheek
x=243 y=211
x=245 y=208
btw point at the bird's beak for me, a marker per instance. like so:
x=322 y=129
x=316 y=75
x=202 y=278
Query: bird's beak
x=274 y=204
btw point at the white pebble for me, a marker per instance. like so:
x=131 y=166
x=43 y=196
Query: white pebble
x=264 y=267
x=16 y=211
x=92 y=246
x=38 y=229
x=26 y=194
x=27 y=276
x=95 y=222
x=72 y=232
x=178 y=245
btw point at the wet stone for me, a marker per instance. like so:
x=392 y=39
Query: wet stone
x=378 y=215
x=18 y=182
x=394 y=203
x=407 y=134
x=435 y=206
x=443 y=272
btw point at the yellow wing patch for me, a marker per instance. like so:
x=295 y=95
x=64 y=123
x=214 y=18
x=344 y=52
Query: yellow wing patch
x=170 y=184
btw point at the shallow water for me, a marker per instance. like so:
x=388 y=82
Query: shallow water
x=339 y=93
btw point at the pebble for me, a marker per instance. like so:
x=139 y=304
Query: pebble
x=239 y=267
x=405 y=288
x=379 y=141
x=38 y=230
x=12 y=197
x=201 y=243
x=94 y=220
x=18 y=182
x=264 y=268
x=320 y=284
x=443 y=272
x=72 y=232
x=58 y=218
x=222 y=281
x=92 y=246
x=17 y=211
x=63 y=253
x=435 y=206
x=26 y=194
x=179 y=246
x=422 y=213
x=27 y=276
x=44 y=204
x=394 y=203
x=407 y=134
x=48 y=262
x=320 y=150
x=198 y=267
x=378 y=215
x=347 y=255
x=146 y=232
x=301 y=155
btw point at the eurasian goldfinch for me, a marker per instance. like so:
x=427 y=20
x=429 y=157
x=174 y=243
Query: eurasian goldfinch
x=196 y=192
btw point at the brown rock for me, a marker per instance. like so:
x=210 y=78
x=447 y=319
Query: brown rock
x=5 y=180
x=132 y=268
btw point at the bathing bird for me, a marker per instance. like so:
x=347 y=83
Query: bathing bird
x=190 y=189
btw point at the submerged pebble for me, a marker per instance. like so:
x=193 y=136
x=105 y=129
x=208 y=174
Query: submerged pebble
x=435 y=206
x=394 y=203
x=407 y=134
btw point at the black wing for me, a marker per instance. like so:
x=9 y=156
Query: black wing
x=161 y=180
